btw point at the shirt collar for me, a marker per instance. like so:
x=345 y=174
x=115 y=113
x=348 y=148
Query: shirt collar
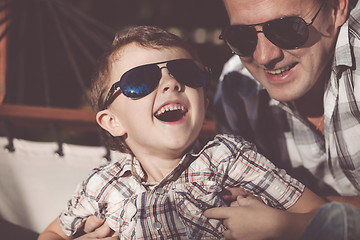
x=343 y=55
x=131 y=165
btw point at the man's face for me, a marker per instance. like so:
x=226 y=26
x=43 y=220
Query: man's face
x=287 y=74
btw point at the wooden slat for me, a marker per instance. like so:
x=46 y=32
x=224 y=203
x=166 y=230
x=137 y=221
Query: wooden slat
x=3 y=51
x=46 y=113
x=38 y=116
x=70 y=118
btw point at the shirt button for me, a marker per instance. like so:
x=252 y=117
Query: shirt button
x=160 y=191
x=158 y=226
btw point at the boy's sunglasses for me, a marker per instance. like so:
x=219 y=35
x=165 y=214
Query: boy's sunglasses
x=142 y=80
x=286 y=33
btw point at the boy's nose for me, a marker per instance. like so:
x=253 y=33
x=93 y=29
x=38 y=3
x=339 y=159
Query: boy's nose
x=168 y=82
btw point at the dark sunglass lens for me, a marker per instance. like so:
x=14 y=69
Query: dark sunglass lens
x=287 y=33
x=242 y=40
x=187 y=72
x=140 y=81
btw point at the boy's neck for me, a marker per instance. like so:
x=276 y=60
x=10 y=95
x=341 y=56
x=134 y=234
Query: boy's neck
x=158 y=165
x=156 y=169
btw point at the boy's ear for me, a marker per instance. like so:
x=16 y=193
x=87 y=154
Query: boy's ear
x=110 y=123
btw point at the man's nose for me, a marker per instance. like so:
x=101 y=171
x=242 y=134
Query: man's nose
x=266 y=52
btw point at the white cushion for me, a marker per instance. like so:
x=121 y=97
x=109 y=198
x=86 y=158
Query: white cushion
x=35 y=183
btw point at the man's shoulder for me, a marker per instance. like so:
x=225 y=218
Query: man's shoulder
x=354 y=20
x=234 y=64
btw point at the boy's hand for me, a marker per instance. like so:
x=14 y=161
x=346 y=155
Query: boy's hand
x=96 y=228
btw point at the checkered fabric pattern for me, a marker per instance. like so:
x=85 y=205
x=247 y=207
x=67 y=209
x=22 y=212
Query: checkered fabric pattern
x=173 y=208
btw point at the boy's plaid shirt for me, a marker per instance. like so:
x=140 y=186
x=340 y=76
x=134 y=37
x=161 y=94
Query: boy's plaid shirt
x=173 y=208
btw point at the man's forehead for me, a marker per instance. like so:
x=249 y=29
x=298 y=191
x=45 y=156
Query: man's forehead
x=258 y=11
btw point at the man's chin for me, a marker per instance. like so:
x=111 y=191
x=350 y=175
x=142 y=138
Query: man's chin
x=283 y=97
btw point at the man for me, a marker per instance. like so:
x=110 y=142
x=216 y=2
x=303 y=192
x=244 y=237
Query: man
x=302 y=111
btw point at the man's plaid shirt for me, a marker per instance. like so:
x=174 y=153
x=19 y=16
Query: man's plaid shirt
x=173 y=208
x=243 y=107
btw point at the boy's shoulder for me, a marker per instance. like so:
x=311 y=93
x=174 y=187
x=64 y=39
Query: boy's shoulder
x=231 y=142
x=221 y=153
x=115 y=169
x=225 y=146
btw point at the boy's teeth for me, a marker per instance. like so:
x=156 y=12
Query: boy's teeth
x=168 y=108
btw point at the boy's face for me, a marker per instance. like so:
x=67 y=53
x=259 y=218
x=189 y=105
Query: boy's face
x=165 y=122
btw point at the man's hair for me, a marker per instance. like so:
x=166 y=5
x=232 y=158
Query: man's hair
x=145 y=36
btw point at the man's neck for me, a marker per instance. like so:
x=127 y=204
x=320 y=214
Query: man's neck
x=311 y=105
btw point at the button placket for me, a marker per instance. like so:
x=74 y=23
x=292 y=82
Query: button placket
x=160 y=191
x=157 y=225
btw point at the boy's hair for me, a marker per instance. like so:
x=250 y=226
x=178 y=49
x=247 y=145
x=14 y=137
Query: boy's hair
x=145 y=36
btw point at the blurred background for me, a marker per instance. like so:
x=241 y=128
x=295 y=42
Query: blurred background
x=49 y=48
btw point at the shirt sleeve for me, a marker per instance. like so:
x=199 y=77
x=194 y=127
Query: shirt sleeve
x=255 y=173
x=79 y=207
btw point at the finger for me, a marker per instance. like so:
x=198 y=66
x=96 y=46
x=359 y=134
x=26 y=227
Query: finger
x=234 y=204
x=218 y=213
x=92 y=223
x=228 y=235
x=247 y=201
x=103 y=231
x=242 y=202
x=230 y=194
x=243 y=196
x=112 y=238
x=226 y=195
x=239 y=192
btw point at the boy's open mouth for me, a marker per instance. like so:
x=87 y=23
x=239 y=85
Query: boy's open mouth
x=171 y=113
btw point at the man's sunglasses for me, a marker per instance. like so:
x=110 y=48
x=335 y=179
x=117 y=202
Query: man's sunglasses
x=286 y=33
x=142 y=80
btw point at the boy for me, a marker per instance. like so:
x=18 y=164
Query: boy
x=166 y=179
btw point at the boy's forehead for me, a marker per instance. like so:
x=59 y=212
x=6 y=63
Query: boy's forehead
x=131 y=50
x=134 y=55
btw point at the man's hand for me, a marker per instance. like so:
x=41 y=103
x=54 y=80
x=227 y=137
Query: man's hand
x=96 y=228
x=353 y=200
x=230 y=195
x=246 y=219
x=250 y=219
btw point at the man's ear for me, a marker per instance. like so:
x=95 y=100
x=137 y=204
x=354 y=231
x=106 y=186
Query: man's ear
x=341 y=8
x=110 y=123
x=207 y=102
